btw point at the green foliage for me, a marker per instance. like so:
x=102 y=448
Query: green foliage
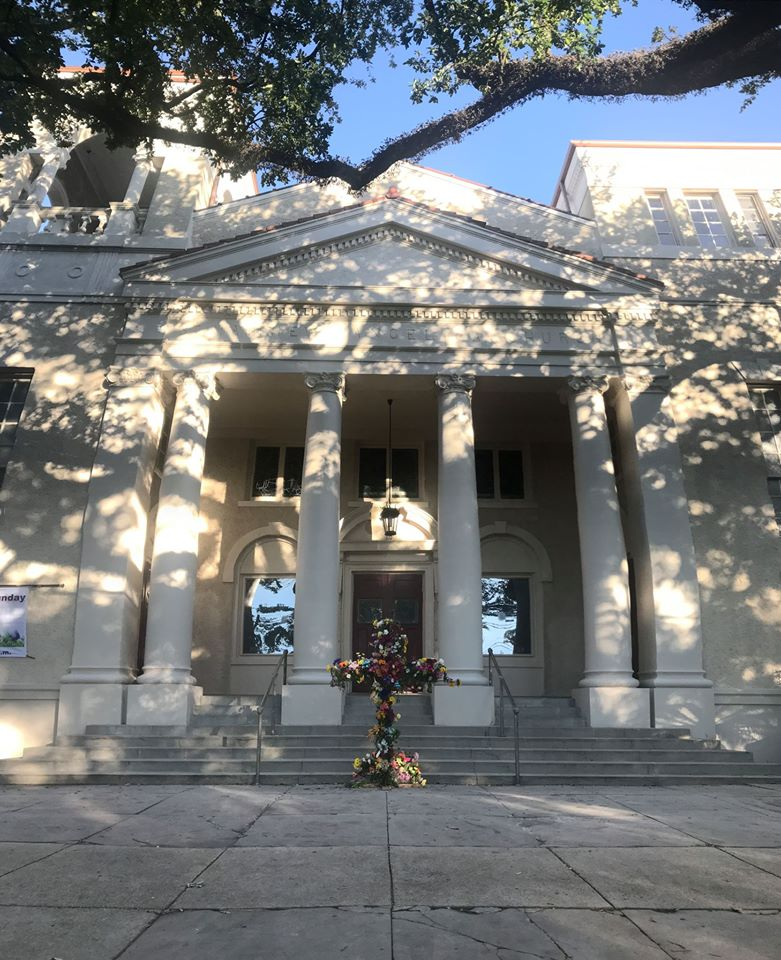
x=262 y=77
x=456 y=39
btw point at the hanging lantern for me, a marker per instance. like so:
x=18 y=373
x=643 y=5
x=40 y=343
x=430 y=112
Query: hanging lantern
x=390 y=519
x=390 y=514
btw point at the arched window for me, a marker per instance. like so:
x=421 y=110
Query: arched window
x=263 y=565
x=515 y=565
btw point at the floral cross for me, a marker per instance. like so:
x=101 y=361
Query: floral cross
x=391 y=674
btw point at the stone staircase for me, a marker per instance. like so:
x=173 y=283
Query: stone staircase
x=556 y=748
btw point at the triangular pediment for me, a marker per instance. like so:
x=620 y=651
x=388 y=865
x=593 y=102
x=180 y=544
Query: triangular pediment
x=388 y=244
x=390 y=255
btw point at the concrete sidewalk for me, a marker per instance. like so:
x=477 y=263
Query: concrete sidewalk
x=444 y=873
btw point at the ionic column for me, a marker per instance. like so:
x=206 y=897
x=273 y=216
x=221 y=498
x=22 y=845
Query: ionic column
x=169 y=629
x=309 y=698
x=26 y=217
x=671 y=658
x=607 y=693
x=112 y=553
x=459 y=566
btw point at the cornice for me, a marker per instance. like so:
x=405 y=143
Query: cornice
x=178 y=312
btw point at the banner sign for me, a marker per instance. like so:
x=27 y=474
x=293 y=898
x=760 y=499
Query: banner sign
x=13 y=621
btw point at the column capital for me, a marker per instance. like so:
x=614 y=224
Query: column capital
x=131 y=377
x=635 y=384
x=329 y=382
x=586 y=384
x=455 y=382
x=207 y=382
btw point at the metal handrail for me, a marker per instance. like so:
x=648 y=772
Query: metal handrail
x=493 y=665
x=281 y=665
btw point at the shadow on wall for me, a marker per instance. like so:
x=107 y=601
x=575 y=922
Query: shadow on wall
x=720 y=329
x=45 y=489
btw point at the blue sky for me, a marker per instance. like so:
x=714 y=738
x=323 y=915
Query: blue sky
x=523 y=150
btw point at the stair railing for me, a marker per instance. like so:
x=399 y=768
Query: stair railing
x=494 y=668
x=281 y=665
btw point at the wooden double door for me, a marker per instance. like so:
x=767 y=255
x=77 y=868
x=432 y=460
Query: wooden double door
x=395 y=596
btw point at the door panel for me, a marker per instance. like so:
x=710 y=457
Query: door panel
x=398 y=596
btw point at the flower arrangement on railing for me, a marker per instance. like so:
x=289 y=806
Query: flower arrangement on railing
x=390 y=673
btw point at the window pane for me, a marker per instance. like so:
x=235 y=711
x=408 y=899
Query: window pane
x=406 y=610
x=269 y=603
x=511 y=474
x=13 y=393
x=662 y=219
x=507 y=615
x=405 y=473
x=484 y=468
x=371 y=472
x=369 y=609
x=754 y=217
x=708 y=222
x=264 y=482
x=294 y=471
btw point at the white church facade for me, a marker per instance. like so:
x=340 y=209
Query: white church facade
x=582 y=462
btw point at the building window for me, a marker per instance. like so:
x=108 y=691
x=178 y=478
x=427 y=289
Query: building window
x=507 y=616
x=13 y=393
x=278 y=472
x=269 y=605
x=708 y=220
x=767 y=407
x=499 y=474
x=661 y=213
x=373 y=472
x=757 y=222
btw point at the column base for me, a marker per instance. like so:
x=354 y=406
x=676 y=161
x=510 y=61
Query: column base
x=614 y=706
x=123 y=221
x=162 y=704
x=692 y=707
x=465 y=706
x=25 y=219
x=86 y=704
x=312 y=704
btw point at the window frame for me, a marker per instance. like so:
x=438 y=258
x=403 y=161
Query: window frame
x=761 y=215
x=14 y=376
x=356 y=485
x=773 y=471
x=279 y=495
x=667 y=206
x=724 y=219
x=497 y=498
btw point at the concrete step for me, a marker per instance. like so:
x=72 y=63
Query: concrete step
x=225 y=701
x=226 y=710
x=434 y=767
x=424 y=740
x=502 y=750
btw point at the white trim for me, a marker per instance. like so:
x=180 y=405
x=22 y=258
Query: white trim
x=502 y=529
x=271 y=531
x=388 y=564
x=542 y=573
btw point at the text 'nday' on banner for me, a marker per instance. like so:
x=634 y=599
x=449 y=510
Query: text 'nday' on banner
x=13 y=622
